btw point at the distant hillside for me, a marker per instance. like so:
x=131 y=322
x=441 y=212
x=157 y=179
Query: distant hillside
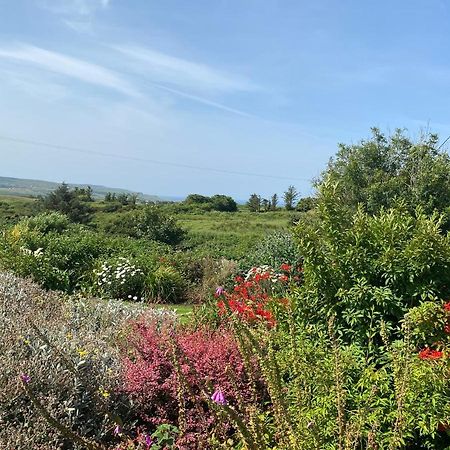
x=19 y=187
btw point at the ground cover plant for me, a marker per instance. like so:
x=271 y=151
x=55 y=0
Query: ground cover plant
x=326 y=326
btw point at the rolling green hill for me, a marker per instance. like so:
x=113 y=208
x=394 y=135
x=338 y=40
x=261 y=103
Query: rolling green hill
x=20 y=187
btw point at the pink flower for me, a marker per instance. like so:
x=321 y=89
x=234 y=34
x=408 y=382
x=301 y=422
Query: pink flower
x=25 y=378
x=219 y=291
x=219 y=398
x=117 y=430
x=148 y=440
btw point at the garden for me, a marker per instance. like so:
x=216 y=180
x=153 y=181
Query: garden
x=202 y=325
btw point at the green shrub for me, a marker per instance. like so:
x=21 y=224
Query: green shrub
x=120 y=278
x=47 y=222
x=367 y=269
x=165 y=285
x=274 y=250
x=150 y=222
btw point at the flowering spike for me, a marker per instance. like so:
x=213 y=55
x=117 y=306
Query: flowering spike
x=218 y=397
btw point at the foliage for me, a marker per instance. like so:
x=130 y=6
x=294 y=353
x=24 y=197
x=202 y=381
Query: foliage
x=367 y=269
x=383 y=169
x=289 y=197
x=254 y=203
x=121 y=279
x=214 y=203
x=327 y=395
x=72 y=203
x=149 y=222
x=165 y=285
x=68 y=349
x=273 y=250
x=171 y=376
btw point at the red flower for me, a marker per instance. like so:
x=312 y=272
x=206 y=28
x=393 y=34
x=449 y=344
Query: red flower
x=447 y=328
x=284 y=278
x=447 y=306
x=286 y=267
x=427 y=353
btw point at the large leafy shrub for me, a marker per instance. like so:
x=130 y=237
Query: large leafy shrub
x=367 y=269
x=150 y=222
x=165 y=285
x=379 y=171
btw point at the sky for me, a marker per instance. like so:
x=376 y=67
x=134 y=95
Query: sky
x=171 y=97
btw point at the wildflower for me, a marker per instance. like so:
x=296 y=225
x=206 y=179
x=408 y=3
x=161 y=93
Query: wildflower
x=447 y=306
x=218 y=397
x=135 y=298
x=427 y=353
x=148 y=440
x=25 y=378
x=117 y=430
x=104 y=393
x=285 y=267
x=219 y=291
x=82 y=352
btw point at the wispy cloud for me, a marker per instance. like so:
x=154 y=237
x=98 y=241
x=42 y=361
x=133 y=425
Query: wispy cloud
x=204 y=101
x=183 y=73
x=69 y=66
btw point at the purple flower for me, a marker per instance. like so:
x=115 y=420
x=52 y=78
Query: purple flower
x=218 y=397
x=219 y=291
x=25 y=378
x=117 y=430
x=148 y=440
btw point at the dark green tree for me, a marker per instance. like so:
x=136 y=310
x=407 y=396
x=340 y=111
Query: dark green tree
x=382 y=170
x=254 y=203
x=223 y=203
x=69 y=202
x=274 y=202
x=289 y=197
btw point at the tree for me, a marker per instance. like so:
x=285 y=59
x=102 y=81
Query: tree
x=223 y=203
x=382 y=170
x=289 y=197
x=254 y=203
x=197 y=199
x=274 y=202
x=265 y=204
x=69 y=202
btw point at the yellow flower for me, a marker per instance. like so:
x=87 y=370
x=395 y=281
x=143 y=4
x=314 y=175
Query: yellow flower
x=82 y=352
x=104 y=392
x=69 y=335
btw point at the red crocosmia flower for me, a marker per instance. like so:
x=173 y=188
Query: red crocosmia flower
x=427 y=353
x=284 y=278
x=238 y=279
x=285 y=267
x=447 y=306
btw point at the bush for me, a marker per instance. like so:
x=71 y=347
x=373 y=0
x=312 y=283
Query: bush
x=274 y=250
x=369 y=269
x=68 y=347
x=121 y=279
x=165 y=285
x=150 y=222
x=47 y=222
x=177 y=389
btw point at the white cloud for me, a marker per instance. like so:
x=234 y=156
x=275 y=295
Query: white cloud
x=69 y=66
x=183 y=73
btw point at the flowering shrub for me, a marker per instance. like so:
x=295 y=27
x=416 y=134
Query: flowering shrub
x=172 y=374
x=120 y=278
x=254 y=296
x=64 y=352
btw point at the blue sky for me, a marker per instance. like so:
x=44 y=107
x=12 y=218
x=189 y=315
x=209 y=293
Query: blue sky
x=259 y=87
